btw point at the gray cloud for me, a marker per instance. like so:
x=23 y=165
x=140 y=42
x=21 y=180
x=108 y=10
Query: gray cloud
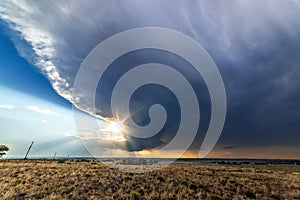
x=255 y=44
x=230 y=147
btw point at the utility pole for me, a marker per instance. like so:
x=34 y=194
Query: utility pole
x=28 y=150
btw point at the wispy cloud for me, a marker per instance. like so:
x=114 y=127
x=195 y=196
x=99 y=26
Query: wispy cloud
x=61 y=34
x=7 y=106
x=249 y=49
x=42 y=111
x=17 y=14
x=44 y=121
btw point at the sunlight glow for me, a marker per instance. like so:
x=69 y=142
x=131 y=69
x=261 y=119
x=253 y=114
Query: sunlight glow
x=113 y=132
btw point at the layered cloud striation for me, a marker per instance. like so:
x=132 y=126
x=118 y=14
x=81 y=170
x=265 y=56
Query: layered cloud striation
x=255 y=44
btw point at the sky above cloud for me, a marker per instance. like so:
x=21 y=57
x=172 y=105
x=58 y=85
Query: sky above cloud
x=255 y=45
x=47 y=124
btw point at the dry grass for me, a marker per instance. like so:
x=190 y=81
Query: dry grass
x=74 y=180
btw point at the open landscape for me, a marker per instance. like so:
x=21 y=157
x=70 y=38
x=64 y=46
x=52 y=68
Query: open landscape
x=60 y=179
x=150 y=100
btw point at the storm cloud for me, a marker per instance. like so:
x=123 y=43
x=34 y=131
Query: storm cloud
x=255 y=44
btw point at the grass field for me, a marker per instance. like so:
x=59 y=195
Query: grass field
x=36 y=179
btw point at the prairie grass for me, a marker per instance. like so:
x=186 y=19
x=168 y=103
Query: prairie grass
x=37 y=179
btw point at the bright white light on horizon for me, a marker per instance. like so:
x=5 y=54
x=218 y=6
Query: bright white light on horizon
x=114 y=132
x=116 y=127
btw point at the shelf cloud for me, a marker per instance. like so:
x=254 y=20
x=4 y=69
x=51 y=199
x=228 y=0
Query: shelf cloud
x=255 y=45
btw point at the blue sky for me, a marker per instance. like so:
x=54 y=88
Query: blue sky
x=254 y=44
x=30 y=109
x=27 y=79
